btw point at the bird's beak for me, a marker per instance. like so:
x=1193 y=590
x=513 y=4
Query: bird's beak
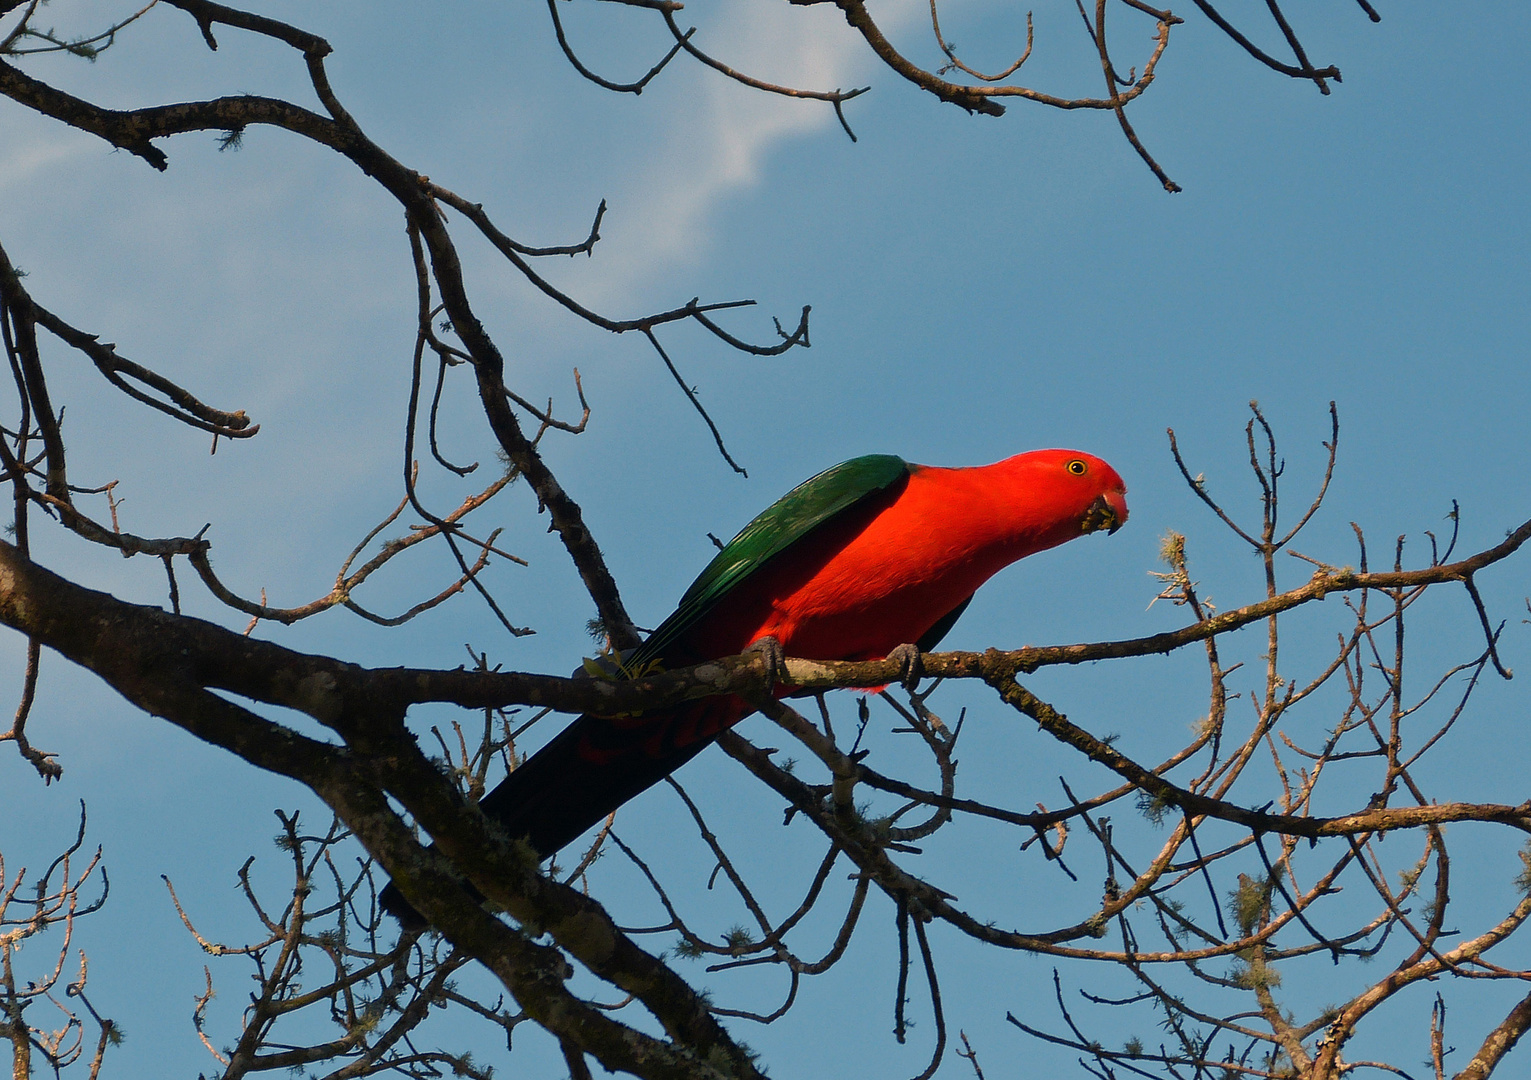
x=1107 y=512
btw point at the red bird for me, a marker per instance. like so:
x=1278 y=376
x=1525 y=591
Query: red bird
x=873 y=558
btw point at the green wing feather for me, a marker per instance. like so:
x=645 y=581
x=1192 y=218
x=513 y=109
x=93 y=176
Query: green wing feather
x=781 y=525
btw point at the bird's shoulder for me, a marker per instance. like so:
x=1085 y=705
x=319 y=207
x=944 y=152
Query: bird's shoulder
x=776 y=529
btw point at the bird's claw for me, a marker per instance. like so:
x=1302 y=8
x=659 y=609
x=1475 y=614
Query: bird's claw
x=775 y=660
x=908 y=657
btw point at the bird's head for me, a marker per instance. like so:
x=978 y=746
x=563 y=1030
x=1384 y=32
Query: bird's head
x=1083 y=494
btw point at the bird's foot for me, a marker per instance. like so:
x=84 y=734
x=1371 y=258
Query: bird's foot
x=775 y=660
x=908 y=657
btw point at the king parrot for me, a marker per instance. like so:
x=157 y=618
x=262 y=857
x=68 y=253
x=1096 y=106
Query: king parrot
x=874 y=557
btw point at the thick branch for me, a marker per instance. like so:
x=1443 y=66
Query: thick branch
x=162 y=662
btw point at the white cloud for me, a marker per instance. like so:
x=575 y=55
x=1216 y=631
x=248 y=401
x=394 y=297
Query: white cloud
x=26 y=152
x=711 y=154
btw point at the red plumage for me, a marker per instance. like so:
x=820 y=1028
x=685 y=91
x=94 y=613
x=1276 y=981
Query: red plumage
x=883 y=574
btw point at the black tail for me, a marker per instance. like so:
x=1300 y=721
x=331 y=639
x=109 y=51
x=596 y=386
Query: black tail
x=592 y=767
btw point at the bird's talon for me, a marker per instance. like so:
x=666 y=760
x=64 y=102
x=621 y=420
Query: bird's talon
x=908 y=657
x=775 y=660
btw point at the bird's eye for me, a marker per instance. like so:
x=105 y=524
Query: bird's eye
x=1077 y=467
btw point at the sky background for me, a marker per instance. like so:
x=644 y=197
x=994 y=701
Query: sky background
x=980 y=287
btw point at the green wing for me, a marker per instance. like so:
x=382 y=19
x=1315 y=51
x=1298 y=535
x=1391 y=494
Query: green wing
x=781 y=525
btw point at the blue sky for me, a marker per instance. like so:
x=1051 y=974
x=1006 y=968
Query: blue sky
x=979 y=287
